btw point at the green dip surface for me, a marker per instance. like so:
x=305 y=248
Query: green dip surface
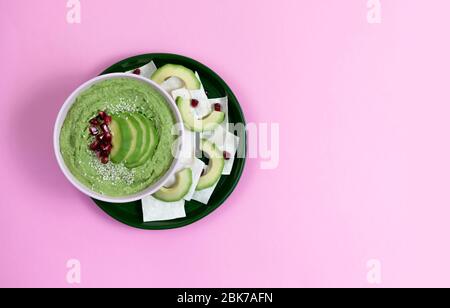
x=116 y=96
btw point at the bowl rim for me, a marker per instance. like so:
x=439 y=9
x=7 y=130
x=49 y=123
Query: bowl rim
x=71 y=99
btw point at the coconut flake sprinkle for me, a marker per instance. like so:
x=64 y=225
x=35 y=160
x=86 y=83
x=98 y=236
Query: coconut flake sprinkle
x=113 y=173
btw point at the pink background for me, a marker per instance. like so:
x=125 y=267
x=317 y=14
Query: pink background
x=364 y=153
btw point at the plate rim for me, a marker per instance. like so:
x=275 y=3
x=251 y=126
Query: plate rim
x=209 y=209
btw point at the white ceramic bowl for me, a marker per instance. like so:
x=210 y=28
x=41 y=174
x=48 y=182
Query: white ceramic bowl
x=86 y=190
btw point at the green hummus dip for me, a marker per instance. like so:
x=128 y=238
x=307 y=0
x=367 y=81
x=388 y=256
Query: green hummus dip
x=116 y=96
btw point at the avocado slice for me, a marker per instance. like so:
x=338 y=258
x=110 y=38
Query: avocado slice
x=208 y=123
x=215 y=165
x=150 y=141
x=135 y=132
x=174 y=70
x=139 y=142
x=121 y=139
x=176 y=192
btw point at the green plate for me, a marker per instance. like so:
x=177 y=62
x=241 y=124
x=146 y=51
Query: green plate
x=131 y=213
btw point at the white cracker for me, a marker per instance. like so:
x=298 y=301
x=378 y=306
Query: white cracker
x=204 y=195
x=183 y=92
x=187 y=153
x=197 y=167
x=171 y=84
x=199 y=94
x=156 y=210
x=226 y=142
x=147 y=70
x=223 y=101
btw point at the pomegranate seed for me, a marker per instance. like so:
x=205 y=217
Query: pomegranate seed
x=103 y=138
x=226 y=155
x=217 y=107
x=104 y=128
x=194 y=103
x=106 y=148
x=102 y=114
x=94 y=121
x=108 y=137
x=137 y=71
x=93 y=130
x=102 y=144
x=94 y=145
x=108 y=119
x=104 y=153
